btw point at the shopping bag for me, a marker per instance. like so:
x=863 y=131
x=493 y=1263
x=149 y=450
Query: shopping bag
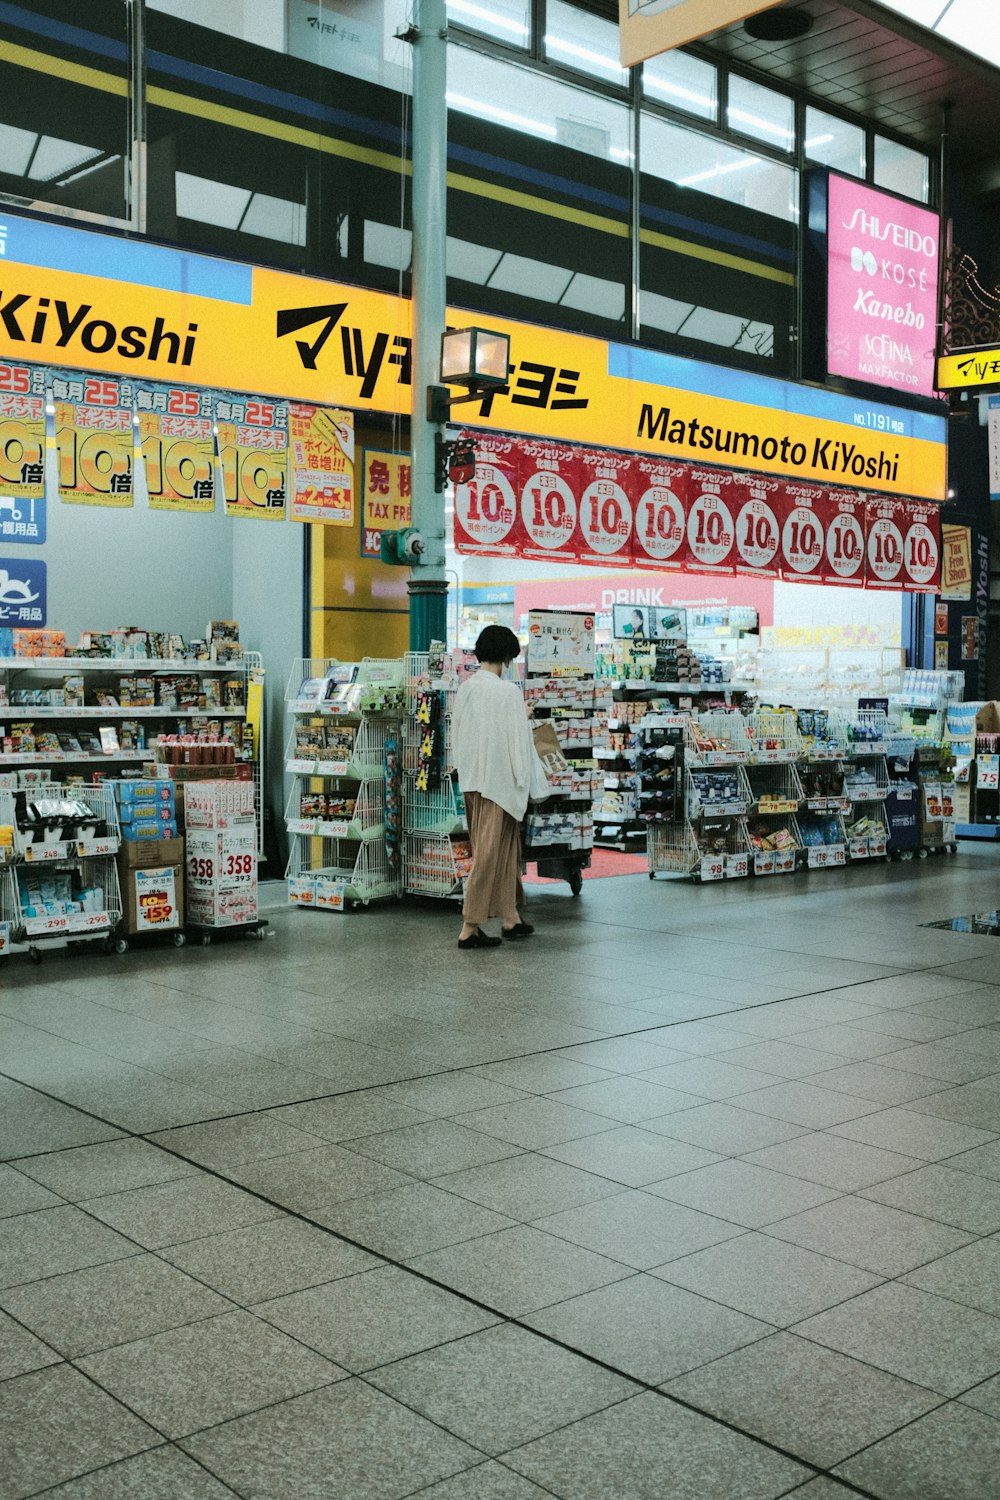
x=548 y=761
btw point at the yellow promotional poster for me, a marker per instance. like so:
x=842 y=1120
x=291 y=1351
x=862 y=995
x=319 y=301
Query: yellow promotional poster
x=956 y=562
x=178 y=448
x=322 y=450
x=385 y=502
x=252 y=438
x=22 y=434
x=648 y=27
x=94 y=447
x=166 y=315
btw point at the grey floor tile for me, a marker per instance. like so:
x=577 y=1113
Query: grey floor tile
x=20 y=1194
x=943 y=1064
x=161 y=1474
x=52 y=1240
x=823 y=1489
x=709 y=1077
x=742 y=1193
x=984 y=1397
x=345 y=1440
x=650 y=1447
x=434 y=1147
x=20 y=1351
x=971 y=1104
x=916 y=1135
x=878 y=1081
x=724 y=1127
x=625 y=1098
x=783 y=1059
x=536 y=1122
x=452 y=1094
x=959 y=1198
x=811 y=1401
x=631 y=1156
x=647 y=1328
x=870 y=1235
x=970 y=1276
x=621 y=1054
x=766 y=1278
x=806 y=1104
x=56 y=1424
x=914 y=1335
x=31 y=1122
x=341 y=1117
x=501 y=1388
x=90 y=1309
x=860 y=1041
x=186 y=1209
x=982 y=1161
x=268 y=1260
x=528 y=1186
x=410 y=1220
x=833 y=1161
x=109 y=1167
x=639 y=1229
x=908 y=1026
x=235 y=1141
x=311 y=1179
x=542 y=1075
x=951 y=1454
x=489 y=1481
x=373 y=1318
x=519 y=1270
x=208 y=1372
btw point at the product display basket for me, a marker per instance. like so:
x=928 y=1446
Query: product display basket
x=436 y=864
x=774 y=861
x=866 y=778
x=699 y=782
x=346 y=874
x=726 y=730
x=773 y=736
x=56 y=930
x=438 y=811
x=775 y=787
x=871 y=844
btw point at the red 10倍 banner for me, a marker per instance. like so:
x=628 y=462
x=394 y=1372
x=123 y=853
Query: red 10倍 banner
x=568 y=504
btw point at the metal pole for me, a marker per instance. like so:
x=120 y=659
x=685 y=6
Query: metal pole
x=428 y=586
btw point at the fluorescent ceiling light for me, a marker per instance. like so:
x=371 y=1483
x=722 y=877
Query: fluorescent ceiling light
x=502 y=116
x=609 y=65
x=653 y=85
x=490 y=18
x=733 y=166
x=780 y=132
x=55 y=158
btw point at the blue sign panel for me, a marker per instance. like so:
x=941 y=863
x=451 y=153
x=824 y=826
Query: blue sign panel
x=22 y=592
x=21 y=519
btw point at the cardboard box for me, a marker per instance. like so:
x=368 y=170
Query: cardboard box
x=150 y=852
x=153 y=898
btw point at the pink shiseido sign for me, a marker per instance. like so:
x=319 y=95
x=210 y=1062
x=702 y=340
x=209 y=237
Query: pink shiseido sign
x=882 y=283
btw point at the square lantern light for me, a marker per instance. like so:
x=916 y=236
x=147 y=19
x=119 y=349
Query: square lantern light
x=477 y=358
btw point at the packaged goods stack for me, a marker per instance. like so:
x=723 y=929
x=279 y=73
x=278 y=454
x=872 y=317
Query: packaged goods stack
x=560 y=693
x=221 y=855
x=437 y=853
x=343 y=752
x=150 y=861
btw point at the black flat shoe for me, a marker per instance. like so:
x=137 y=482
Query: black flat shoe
x=522 y=930
x=479 y=939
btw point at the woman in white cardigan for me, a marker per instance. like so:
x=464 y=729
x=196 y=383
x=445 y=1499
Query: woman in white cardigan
x=493 y=751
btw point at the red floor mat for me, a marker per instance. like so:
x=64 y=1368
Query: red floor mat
x=603 y=863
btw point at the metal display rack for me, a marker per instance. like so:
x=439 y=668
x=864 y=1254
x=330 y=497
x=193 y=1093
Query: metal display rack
x=47 y=850
x=36 y=673
x=336 y=754
x=436 y=851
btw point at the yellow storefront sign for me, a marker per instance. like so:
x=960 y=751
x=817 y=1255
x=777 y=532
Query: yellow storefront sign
x=969 y=371
x=171 y=316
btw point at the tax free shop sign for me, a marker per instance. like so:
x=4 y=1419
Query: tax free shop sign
x=76 y=299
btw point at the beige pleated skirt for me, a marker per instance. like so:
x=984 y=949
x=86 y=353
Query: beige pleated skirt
x=493 y=888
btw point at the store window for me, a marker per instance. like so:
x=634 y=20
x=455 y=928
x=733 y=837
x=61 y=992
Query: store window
x=901 y=169
x=507 y=21
x=538 y=205
x=682 y=82
x=576 y=39
x=718 y=247
x=834 y=142
x=356 y=37
x=761 y=113
x=65 y=131
x=265 y=157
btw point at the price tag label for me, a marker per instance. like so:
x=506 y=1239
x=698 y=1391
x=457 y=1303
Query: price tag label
x=858 y=848
x=39 y=853
x=330 y=894
x=988 y=772
x=713 y=867
x=763 y=862
x=817 y=859
x=4 y=939
x=737 y=866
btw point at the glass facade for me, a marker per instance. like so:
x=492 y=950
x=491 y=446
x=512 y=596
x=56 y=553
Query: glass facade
x=659 y=203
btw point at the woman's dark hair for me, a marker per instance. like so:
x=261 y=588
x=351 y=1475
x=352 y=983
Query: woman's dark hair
x=497 y=643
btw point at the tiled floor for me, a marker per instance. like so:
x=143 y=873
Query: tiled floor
x=695 y=1196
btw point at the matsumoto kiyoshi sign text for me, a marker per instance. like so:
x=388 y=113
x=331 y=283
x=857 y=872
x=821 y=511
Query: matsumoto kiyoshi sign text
x=882 y=286
x=151 y=313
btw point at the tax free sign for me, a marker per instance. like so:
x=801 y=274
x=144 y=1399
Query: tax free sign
x=77 y=299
